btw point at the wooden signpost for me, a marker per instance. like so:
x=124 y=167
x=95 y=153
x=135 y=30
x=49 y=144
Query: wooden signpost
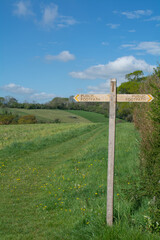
x=120 y=98
x=112 y=98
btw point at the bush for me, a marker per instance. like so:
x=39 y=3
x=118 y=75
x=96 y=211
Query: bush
x=6 y=119
x=28 y=119
x=57 y=120
x=125 y=111
x=147 y=120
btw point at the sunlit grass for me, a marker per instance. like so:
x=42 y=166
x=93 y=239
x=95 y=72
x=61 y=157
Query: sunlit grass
x=27 y=132
x=91 y=116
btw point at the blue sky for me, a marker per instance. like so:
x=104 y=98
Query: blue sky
x=65 y=47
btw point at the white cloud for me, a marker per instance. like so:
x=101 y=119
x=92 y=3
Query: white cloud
x=13 y=88
x=127 y=45
x=113 y=26
x=137 y=14
x=51 y=18
x=100 y=89
x=22 y=8
x=64 y=56
x=50 y=13
x=117 y=68
x=67 y=21
x=99 y=19
x=42 y=96
x=152 y=48
x=155 y=18
x=105 y=43
x=132 y=30
x=29 y=92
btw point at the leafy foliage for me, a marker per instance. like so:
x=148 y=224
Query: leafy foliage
x=125 y=111
x=130 y=87
x=147 y=120
x=136 y=76
x=28 y=119
x=7 y=118
x=134 y=81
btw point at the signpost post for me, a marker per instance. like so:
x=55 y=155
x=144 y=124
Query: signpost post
x=111 y=152
x=112 y=98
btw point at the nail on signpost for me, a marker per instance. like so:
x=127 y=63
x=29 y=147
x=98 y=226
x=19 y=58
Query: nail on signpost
x=112 y=98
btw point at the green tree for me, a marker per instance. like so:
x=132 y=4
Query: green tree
x=136 y=76
x=130 y=87
x=58 y=103
x=2 y=101
x=11 y=102
x=134 y=81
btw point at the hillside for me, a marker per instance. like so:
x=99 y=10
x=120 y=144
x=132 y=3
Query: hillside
x=91 y=116
x=48 y=116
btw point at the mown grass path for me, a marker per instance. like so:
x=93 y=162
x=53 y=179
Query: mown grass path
x=26 y=171
x=54 y=187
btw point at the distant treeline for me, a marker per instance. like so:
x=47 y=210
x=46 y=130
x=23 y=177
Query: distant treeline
x=56 y=103
x=124 y=110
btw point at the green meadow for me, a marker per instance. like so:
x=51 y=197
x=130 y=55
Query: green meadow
x=53 y=181
x=91 y=116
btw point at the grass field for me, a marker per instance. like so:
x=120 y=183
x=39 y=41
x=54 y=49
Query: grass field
x=47 y=115
x=91 y=116
x=23 y=133
x=53 y=183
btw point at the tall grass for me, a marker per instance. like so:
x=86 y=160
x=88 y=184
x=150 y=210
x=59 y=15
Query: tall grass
x=27 y=132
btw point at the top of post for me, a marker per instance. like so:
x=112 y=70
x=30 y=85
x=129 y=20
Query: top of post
x=113 y=79
x=113 y=84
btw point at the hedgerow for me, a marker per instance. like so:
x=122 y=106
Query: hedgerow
x=147 y=120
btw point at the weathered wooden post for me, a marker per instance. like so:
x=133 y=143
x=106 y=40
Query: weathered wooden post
x=112 y=98
x=111 y=151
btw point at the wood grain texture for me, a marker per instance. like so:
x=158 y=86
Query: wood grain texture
x=111 y=152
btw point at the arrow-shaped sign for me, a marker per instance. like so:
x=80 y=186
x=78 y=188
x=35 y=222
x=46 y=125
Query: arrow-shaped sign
x=120 y=97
